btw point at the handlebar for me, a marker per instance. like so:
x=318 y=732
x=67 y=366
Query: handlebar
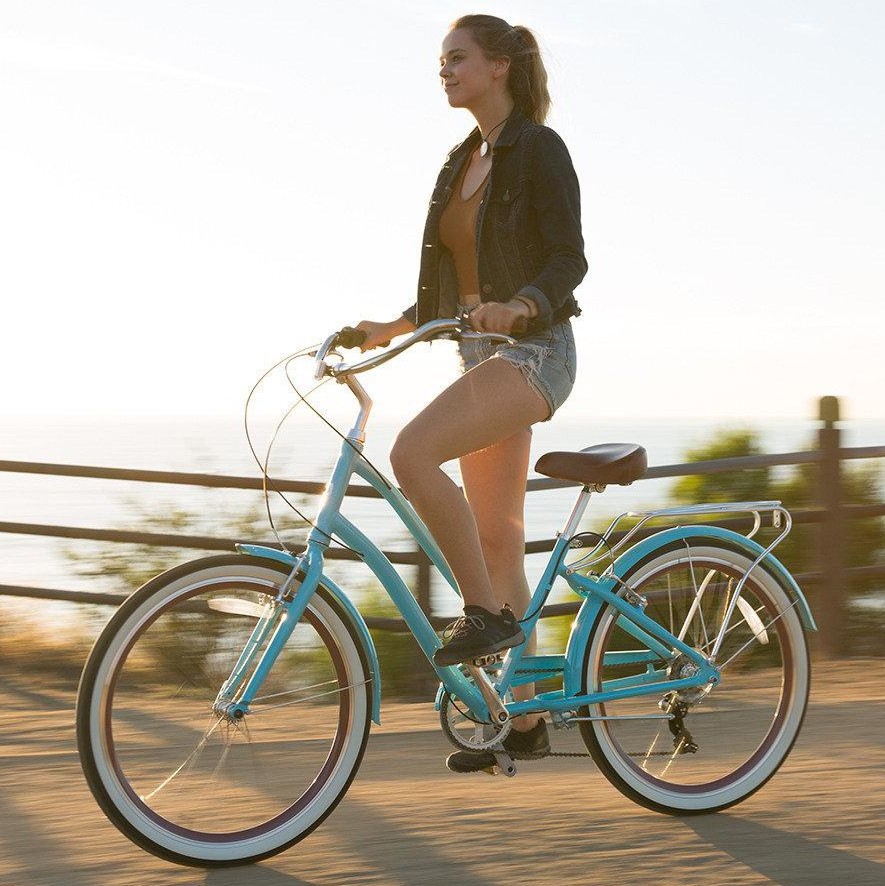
x=348 y=337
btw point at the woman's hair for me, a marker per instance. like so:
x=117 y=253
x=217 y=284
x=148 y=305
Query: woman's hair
x=528 y=77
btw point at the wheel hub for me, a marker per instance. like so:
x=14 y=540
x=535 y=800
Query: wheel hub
x=683 y=668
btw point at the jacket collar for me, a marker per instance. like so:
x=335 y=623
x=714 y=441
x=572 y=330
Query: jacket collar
x=512 y=129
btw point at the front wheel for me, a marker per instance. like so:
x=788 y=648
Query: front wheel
x=186 y=782
x=709 y=747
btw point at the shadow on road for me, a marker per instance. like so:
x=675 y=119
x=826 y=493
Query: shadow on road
x=398 y=852
x=41 y=701
x=254 y=875
x=379 y=844
x=784 y=857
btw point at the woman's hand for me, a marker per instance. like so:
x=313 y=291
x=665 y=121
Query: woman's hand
x=378 y=335
x=501 y=317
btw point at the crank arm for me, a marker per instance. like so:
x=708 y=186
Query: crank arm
x=489 y=694
x=505 y=764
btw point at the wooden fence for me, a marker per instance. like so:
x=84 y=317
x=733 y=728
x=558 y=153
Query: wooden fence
x=833 y=514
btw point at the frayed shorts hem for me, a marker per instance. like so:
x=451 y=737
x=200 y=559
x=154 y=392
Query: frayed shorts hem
x=533 y=379
x=547 y=361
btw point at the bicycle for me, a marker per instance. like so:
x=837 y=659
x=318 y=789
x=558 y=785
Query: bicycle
x=686 y=670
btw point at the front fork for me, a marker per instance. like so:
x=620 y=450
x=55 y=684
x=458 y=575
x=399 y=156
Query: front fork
x=272 y=632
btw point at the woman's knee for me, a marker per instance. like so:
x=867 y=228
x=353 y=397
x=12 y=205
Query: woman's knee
x=409 y=456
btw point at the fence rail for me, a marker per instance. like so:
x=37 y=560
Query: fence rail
x=831 y=513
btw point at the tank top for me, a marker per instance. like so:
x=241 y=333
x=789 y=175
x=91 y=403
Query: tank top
x=457 y=232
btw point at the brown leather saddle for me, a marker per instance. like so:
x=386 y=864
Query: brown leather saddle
x=619 y=463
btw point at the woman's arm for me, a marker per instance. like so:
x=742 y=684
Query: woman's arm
x=556 y=202
x=380 y=334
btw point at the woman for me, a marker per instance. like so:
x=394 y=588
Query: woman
x=502 y=243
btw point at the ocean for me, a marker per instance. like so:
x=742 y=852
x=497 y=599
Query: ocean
x=305 y=450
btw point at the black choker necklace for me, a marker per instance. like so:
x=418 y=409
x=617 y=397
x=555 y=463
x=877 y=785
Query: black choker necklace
x=484 y=146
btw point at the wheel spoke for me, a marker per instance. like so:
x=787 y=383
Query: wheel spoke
x=754 y=639
x=287 y=704
x=188 y=762
x=236 y=775
x=293 y=691
x=729 y=737
x=696 y=603
x=733 y=627
x=651 y=748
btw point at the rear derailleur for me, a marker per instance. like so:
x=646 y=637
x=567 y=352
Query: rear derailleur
x=672 y=704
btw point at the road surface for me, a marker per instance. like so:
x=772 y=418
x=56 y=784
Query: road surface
x=407 y=820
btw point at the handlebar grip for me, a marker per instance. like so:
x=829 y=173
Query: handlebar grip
x=350 y=337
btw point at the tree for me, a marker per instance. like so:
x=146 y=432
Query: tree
x=745 y=485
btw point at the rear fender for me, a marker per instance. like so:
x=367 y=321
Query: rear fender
x=586 y=617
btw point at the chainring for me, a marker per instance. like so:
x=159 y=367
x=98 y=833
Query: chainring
x=467 y=733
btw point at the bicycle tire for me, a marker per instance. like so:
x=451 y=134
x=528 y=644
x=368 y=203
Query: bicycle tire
x=127 y=718
x=765 y=688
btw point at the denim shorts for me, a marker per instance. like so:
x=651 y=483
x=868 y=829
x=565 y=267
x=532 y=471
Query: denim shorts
x=546 y=359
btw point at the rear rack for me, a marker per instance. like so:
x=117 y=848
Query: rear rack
x=780 y=515
x=756 y=508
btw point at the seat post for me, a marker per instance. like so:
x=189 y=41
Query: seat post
x=571 y=525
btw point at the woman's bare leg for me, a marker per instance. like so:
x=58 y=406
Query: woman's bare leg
x=490 y=403
x=494 y=483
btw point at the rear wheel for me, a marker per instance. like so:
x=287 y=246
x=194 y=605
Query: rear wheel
x=196 y=785
x=721 y=743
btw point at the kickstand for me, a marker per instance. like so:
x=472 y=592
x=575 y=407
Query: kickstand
x=505 y=764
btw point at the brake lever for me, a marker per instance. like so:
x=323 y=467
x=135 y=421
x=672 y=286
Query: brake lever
x=321 y=355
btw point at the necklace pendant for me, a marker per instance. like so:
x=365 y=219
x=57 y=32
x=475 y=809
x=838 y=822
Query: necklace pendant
x=484 y=148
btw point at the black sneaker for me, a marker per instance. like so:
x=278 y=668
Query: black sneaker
x=476 y=633
x=530 y=745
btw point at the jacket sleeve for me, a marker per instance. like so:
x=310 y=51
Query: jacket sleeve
x=556 y=202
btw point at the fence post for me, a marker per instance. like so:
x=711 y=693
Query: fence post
x=833 y=597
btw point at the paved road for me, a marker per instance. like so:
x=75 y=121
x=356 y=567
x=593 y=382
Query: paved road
x=406 y=820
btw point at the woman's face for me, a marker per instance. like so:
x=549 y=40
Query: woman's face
x=467 y=75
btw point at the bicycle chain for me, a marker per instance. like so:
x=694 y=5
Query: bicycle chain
x=561 y=753
x=551 y=753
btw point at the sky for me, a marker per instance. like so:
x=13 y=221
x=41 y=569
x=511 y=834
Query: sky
x=190 y=191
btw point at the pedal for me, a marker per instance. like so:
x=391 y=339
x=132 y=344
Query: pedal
x=485 y=661
x=505 y=764
x=561 y=720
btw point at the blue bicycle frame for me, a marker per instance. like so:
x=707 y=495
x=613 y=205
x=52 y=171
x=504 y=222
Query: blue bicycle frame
x=657 y=645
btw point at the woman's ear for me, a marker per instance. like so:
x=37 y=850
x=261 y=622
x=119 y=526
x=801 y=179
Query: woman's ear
x=500 y=67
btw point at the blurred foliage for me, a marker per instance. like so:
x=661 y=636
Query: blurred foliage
x=865 y=538
x=26 y=648
x=745 y=485
x=129 y=566
x=405 y=671
x=797 y=487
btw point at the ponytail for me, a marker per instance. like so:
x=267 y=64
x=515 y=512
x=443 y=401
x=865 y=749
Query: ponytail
x=528 y=76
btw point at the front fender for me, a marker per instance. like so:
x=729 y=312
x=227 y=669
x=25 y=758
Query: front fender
x=347 y=609
x=586 y=617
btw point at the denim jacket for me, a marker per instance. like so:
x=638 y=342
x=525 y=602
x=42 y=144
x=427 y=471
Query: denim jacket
x=528 y=228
